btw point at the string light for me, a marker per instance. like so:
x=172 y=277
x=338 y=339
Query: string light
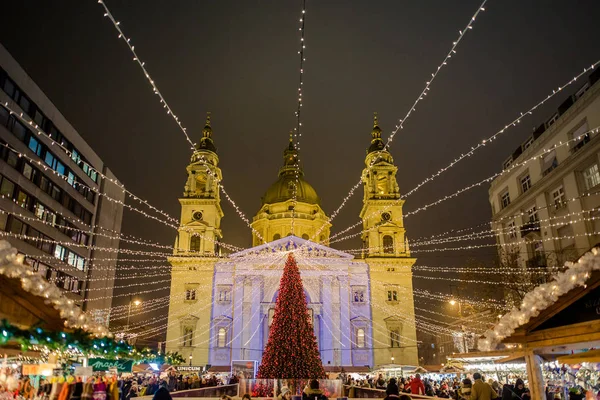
x=142 y=64
x=478 y=146
x=467 y=188
x=412 y=109
x=114 y=181
x=297 y=131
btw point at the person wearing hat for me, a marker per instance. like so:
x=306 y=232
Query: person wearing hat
x=286 y=393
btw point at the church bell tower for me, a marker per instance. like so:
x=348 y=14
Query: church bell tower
x=385 y=249
x=195 y=253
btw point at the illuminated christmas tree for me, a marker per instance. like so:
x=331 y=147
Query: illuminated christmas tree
x=292 y=351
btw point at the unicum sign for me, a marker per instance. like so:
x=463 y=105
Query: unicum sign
x=102 y=364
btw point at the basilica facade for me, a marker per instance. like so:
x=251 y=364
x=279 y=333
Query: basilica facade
x=361 y=306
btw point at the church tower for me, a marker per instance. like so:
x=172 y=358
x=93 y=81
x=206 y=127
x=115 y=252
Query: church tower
x=195 y=254
x=385 y=249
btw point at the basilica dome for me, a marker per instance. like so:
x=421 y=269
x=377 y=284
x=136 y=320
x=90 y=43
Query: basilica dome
x=283 y=190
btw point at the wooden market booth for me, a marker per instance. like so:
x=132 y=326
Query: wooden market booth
x=567 y=331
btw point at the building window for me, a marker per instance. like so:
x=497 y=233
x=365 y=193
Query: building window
x=580 y=137
x=549 y=163
x=190 y=294
x=188 y=336
x=392 y=295
x=505 y=199
x=591 y=176
x=532 y=214
x=195 y=243
x=394 y=338
x=528 y=143
x=558 y=197
x=358 y=295
x=276 y=236
x=507 y=163
x=360 y=338
x=525 y=183
x=7 y=188
x=512 y=230
x=305 y=236
x=224 y=295
x=388 y=244
x=222 y=337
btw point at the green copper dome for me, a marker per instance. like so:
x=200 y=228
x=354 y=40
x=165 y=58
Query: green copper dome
x=283 y=189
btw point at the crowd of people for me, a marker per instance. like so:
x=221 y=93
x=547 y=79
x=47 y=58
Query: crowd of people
x=476 y=388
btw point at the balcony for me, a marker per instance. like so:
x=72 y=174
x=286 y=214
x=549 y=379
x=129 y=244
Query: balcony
x=581 y=143
x=530 y=227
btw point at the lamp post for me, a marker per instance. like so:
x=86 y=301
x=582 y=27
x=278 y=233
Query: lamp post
x=190 y=360
x=460 y=315
x=136 y=303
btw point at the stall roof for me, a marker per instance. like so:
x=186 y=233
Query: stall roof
x=555 y=313
x=591 y=356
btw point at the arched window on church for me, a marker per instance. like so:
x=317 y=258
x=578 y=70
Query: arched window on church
x=195 y=243
x=222 y=337
x=305 y=236
x=360 y=338
x=388 y=244
x=276 y=236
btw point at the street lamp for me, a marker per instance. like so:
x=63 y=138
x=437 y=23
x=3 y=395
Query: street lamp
x=460 y=315
x=190 y=360
x=136 y=302
x=392 y=359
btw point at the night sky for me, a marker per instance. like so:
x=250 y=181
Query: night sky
x=238 y=59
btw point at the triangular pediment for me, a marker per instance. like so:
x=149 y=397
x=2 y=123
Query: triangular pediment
x=304 y=247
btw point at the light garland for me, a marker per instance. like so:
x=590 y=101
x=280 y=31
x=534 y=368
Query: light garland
x=412 y=109
x=11 y=265
x=541 y=298
x=479 y=145
x=297 y=131
x=463 y=190
x=35 y=127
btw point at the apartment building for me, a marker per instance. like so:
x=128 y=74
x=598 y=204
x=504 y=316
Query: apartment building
x=546 y=209
x=50 y=207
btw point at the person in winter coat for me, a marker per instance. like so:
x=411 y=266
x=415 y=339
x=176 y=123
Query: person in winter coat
x=312 y=392
x=464 y=392
x=162 y=393
x=520 y=390
x=380 y=383
x=392 y=392
x=416 y=385
x=482 y=390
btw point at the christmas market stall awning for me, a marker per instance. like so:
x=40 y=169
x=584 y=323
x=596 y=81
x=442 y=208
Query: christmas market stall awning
x=554 y=319
x=28 y=300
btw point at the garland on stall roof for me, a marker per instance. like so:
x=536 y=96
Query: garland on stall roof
x=11 y=266
x=542 y=297
x=78 y=341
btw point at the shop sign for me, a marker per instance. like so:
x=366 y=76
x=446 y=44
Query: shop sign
x=101 y=364
x=189 y=368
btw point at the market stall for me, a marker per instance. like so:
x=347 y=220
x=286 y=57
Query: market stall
x=556 y=319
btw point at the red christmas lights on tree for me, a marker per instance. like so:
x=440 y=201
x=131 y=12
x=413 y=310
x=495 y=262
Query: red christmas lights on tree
x=291 y=351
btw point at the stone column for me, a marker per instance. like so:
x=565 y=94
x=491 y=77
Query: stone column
x=253 y=342
x=345 y=321
x=237 y=315
x=327 y=334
